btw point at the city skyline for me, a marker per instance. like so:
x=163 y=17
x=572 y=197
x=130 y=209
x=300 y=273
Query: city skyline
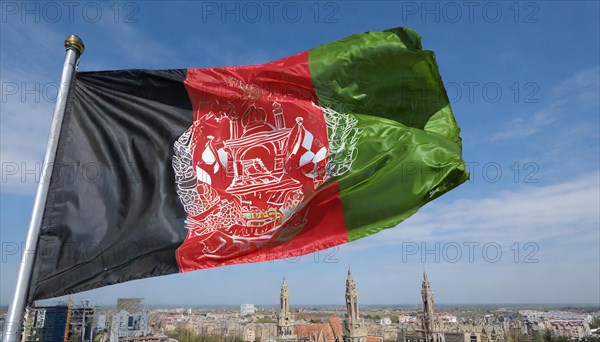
x=427 y=322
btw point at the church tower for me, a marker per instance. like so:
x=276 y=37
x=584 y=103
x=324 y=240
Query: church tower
x=428 y=312
x=285 y=320
x=353 y=326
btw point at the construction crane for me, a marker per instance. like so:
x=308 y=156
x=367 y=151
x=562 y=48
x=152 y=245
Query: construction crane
x=68 y=324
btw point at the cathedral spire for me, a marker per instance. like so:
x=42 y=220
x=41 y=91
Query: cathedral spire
x=349 y=279
x=284 y=299
x=353 y=330
x=351 y=298
x=428 y=310
x=285 y=321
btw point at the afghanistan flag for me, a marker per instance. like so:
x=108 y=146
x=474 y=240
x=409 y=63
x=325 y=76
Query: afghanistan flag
x=171 y=171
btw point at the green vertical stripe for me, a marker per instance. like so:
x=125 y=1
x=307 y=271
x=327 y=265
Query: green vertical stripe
x=409 y=150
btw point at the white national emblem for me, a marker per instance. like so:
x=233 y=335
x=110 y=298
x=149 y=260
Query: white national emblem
x=241 y=171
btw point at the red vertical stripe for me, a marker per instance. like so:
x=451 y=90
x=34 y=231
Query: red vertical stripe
x=256 y=198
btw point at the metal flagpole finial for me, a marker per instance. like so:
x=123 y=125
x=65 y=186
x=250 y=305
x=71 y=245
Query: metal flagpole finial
x=75 y=43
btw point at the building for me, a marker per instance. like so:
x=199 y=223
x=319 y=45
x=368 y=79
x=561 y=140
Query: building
x=285 y=321
x=101 y=323
x=48 y=323
x=130 y=322
x=2 y=322
x=247 y=309
x=60 y=322
x=429 y=312
x=558 y=323
x=330 y=331
x=354 y=330
x=444 y=328
x=130 y=304
x=249 y=333
x=81 y=322
x=385 y=321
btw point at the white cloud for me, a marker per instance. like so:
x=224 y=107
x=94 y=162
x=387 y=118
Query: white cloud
x=583 y=88
x=577 y=92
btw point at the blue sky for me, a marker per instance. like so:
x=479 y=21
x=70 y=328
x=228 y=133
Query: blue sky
x=523 y=79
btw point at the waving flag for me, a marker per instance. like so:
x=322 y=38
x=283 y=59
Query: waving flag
x=170 y=171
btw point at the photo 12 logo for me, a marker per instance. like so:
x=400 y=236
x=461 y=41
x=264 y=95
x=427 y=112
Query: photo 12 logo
x=523 y=12
x=492 y=92
x=270 y=12
x=470 y=251
x=69 y=11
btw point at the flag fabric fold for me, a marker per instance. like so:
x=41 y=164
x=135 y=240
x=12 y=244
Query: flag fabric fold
x=167 y=171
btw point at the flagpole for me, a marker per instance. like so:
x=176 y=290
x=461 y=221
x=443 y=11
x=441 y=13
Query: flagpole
x=74 y=48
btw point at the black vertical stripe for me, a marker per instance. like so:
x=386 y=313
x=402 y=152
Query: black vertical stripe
x=112 y=213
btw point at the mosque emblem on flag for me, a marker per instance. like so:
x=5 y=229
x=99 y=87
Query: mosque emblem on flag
x=244 y=166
